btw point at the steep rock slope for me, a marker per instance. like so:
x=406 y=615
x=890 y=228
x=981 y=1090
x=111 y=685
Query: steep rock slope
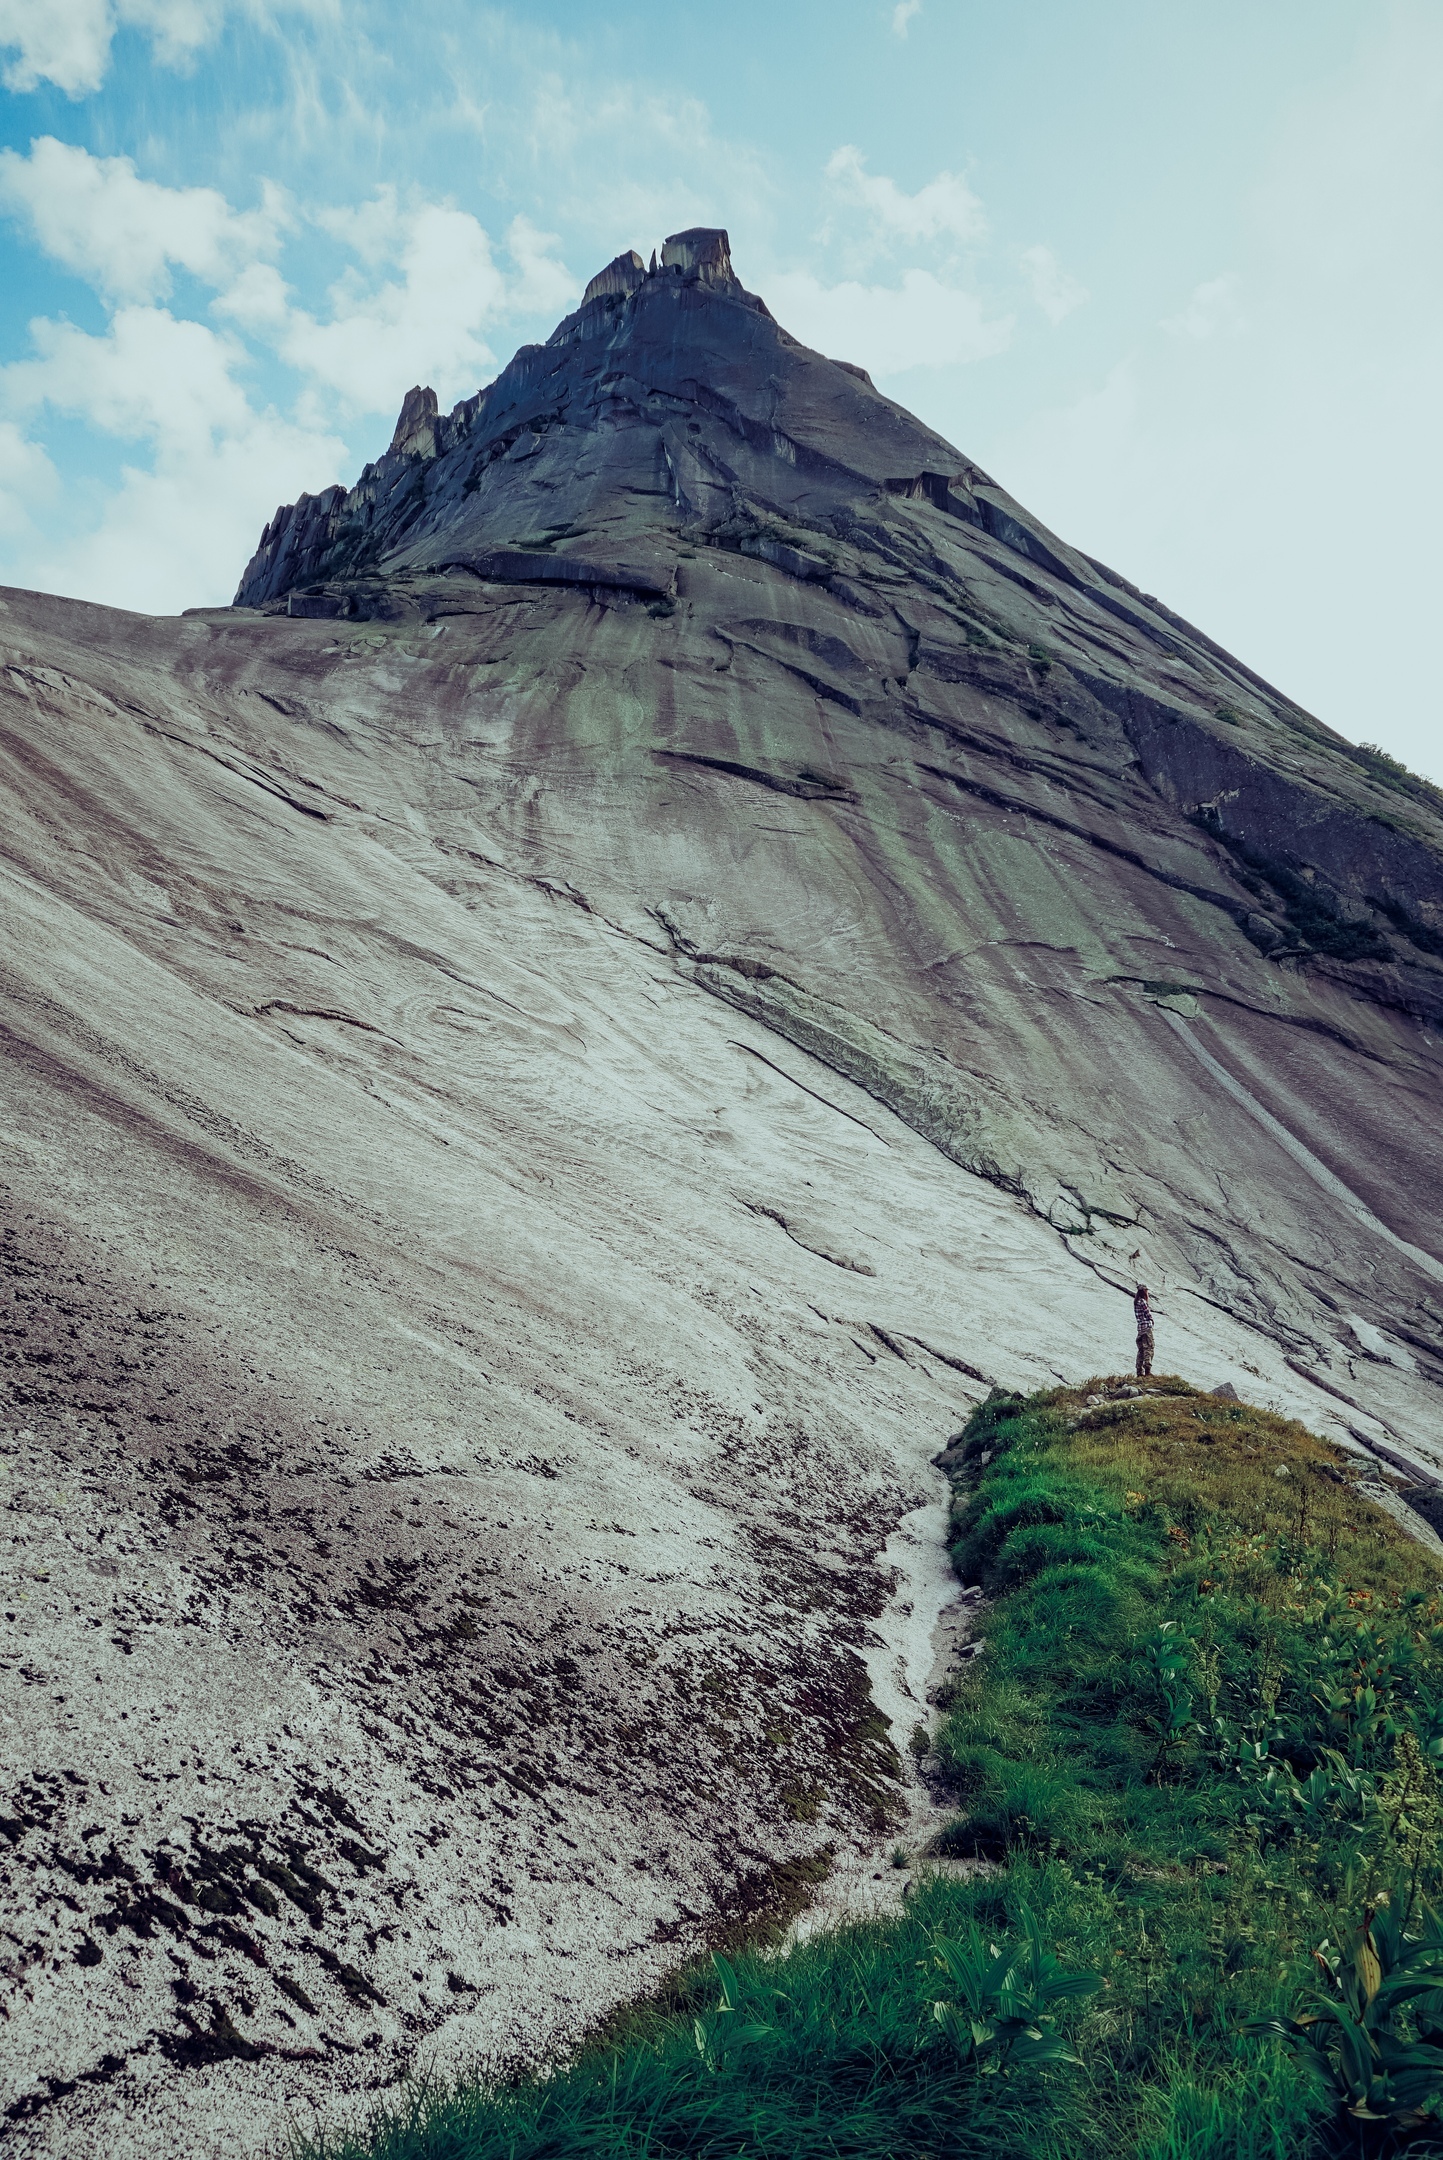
x=671 y=937
x=1039 y=819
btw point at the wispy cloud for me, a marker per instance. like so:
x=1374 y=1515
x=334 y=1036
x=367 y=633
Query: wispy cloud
x=28 y=480
x=1055 y=291
x=945 y=208
x=1213 y=310
x=123 y=234
x=928 y=317
x=423 y=288
x=633 y=166
x=126 y=235
x=67 y=42
x=902 y=15
x=921 y=322
x=429 y=323
x=217 y=466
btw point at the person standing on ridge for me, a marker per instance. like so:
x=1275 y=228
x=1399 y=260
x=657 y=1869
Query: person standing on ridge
x=1142 y=1307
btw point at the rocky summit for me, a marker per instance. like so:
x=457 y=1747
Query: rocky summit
x=671 y=938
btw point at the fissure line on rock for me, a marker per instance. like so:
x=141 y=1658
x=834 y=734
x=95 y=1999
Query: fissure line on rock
x=1302 y=1156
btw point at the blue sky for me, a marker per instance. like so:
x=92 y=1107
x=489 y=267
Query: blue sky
x=1172 y=273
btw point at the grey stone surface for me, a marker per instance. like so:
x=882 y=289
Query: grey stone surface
x=549 y=1057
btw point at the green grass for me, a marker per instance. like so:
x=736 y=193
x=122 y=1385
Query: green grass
x=1195 y=1612
x=1196 y=1746
x=852 y=2065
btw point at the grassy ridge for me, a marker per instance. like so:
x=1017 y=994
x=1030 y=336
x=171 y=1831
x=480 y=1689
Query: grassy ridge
x=1201 y=1724
x=1197 y=1744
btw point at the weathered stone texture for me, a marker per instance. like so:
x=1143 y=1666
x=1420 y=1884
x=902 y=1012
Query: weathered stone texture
x=674 y=936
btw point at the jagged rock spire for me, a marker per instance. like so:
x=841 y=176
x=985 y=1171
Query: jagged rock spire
x=416 y=427
x=622 y=275
x=703 y=251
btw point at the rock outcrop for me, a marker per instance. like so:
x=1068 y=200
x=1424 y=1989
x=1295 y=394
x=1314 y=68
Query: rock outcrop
x=672 y=937
x=415 y=434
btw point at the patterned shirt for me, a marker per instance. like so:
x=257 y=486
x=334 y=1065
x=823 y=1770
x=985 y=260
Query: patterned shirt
x=1143 y=1311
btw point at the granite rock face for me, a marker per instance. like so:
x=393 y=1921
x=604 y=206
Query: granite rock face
x=672 y=937
x=671 y=411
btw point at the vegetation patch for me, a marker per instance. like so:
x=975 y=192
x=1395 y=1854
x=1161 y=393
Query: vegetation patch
x=1197 y=1768
x=1391 y=772
x=1313 y=909
x=1207 y=1726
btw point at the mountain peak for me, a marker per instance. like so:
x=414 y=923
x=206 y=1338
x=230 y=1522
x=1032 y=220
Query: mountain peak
x=532 y=1112
x=703 y=252
x=668 y=401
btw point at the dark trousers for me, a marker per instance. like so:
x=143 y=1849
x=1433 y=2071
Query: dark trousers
x=1144 y=1353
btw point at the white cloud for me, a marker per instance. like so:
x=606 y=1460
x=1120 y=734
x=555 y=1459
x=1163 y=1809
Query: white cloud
x=174 y=534
x=563 y=117
x=428 y=324
x=259 y=300
x=1212 y=311
x=179 y=533
x=375 y=230
x=148 y=376
x=945 y=208
x=123 y=234
x=1055 y=291
x=67 y=42
x=920 y=323
x=631 y=166
x=27 y=480
x=544 y=285
x=177 y=28
x=902 y=15
x=424 y=326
